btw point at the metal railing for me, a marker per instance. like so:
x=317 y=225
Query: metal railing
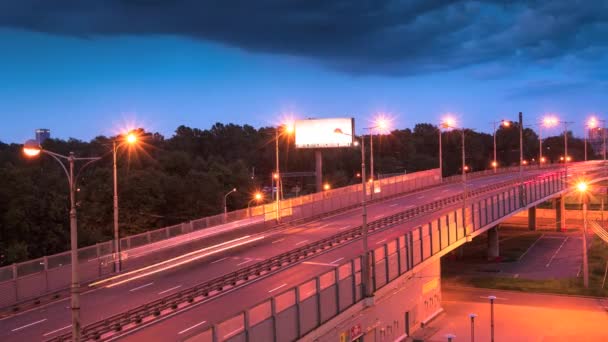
x=208 y=289
x=46 y=278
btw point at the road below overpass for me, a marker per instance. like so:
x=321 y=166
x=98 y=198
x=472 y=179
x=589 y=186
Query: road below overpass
x=130 y=291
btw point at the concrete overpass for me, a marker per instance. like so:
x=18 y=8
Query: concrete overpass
x=304 y=282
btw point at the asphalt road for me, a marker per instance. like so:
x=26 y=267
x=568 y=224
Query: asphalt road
x=104 y=301
x=520 y=316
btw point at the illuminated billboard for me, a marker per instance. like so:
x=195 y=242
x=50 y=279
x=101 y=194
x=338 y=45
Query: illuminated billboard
x=324 y=133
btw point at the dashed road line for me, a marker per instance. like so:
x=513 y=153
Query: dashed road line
x=246 y=261
x=219 y=260
x=56 y=330
x=318 y=263
x=279 y=240
x=557 y=251
x=278 y=287
x=29 y=325
x=140 y=287
x=380 y=241
x=171 y=289
x=192 y=327
x=301 y=242
x=335 y=261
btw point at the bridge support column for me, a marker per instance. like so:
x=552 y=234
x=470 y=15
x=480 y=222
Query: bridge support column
x=532 y=218
x=493 y=248
x=560 y=213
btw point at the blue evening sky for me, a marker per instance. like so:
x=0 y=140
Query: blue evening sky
x=93 y=84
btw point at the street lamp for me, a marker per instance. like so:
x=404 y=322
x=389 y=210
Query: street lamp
x=366 y=262
x=472 y=317
x=547 y=121
x=381 y=124
x=582 y=187
x=257 y=197
x=503 y=123
x=492 y=299
x=448 y=123
x=288 y=128
x=593 y=123
x=326 y=186
x=129 y=139
x=32 y=149
x=225 y=200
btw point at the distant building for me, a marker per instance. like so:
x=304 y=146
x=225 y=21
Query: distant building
x=42 y=134
x=596 y=139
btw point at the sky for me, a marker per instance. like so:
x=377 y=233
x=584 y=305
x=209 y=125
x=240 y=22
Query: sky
x=84 y=69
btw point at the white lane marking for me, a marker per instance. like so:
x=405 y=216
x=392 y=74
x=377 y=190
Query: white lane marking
x=420 y=197
x=335 y=261
x=192 y=327
x=279 y=240
x=140 y=287
x=392 y=205
x=219 y=260
x=529 y=248
x=317 y=263
x=380 y=241
x=29 y=325
x=56 y=330
x=278 y=287
x=446 y=190
x=233 y=332
x=345 y=227
x=410 y=206
x=246 y=261
x=557 y=251
x=171 y=289
x=436 y=198
x=301 y=242
x=322 y=226
x=378 y=216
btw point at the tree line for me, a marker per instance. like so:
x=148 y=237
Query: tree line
x=164 y=181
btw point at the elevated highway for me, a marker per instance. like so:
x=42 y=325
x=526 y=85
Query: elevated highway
x=155 y=303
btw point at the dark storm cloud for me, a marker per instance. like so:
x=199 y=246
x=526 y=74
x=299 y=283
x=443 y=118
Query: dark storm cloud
x=365 y=36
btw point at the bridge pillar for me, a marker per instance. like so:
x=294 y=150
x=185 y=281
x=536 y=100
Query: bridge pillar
x=532 y=218
x=493 y=248
x=560 y=213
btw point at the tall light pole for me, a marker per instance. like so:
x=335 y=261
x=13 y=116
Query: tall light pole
x=591 y=124
x=31 y=148
x=583 y=188
x=472 y=317
x=449 y=122
x=492 y=299
x=503 y=123
x=381 y=124
x=288 y=129
x=257 y=197
x=225 y=203
x=130 y=139
x=440 y=155
x=548 y=122
x=366 y=273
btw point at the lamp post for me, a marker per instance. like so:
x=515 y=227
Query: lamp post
x=382 y=124
x=472 y=317
x=31 y=148
x=440 y=155
x=130 y=139
x=257 y=198
x=225 y=201
x=504 y=123
x=451 y=123
x=288 y=129
x=593 y=123
x=366 y=273
x=582 y=187
x=492 y=299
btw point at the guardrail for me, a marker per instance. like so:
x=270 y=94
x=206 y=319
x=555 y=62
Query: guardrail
x=212 y=288
x=32 y=282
